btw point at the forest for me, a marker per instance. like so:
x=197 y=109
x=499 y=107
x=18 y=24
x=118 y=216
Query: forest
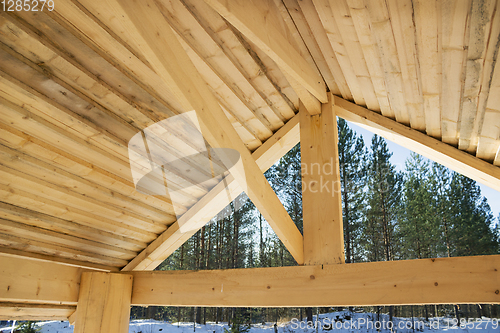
x=423 y=211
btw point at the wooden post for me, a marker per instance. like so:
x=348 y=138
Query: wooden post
x=104 y=303
x=321 y=198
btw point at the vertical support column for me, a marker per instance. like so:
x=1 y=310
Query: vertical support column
x=321 y=197
x=104 y=303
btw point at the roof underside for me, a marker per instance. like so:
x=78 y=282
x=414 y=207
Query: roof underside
x=75 y=88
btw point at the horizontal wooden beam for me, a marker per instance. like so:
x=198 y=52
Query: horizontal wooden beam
x=436 y=150
x=23 y=311
x=423 y=281
x=24 y=280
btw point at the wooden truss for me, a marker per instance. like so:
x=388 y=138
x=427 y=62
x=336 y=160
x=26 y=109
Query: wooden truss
x=39 y=287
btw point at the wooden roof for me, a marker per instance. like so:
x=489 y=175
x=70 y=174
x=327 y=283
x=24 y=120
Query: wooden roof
x=76 y=84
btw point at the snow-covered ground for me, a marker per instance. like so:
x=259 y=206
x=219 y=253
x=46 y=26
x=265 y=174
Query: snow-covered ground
x=330 y=322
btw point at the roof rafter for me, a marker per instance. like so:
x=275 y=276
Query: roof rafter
x=423 y=144
x=169 y=59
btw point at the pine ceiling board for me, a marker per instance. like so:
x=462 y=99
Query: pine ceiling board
x=383 y=32
x=477 y=67
x=32 y=166
x=333 y=34
x=56 y=250
x=307 y=35
x=72 y=45
x=27 y=200
x=361 y=19
x=43 y=189
x=491 y=53
x=426 y=14
x=489 y=139
x=349 y=37
x=37 y=149
x=238 y=104
x=403 y=28
x=33 y=218
x=49 y=236
x=207 y=50
x=85 y=27
x=222 y=34
x=454 y=21
x=310 y=14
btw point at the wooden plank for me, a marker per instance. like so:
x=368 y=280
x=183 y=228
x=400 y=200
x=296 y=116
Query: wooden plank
x=311 y=16
x=222 y=33
x=218 y=198
x=103 y=303
x=426 y=16
x=423 y=281
x=388 y=54
x=35 y=312
x=258 y=21
x=362 y=24
x=472 y=127
x=5 y=251
x=25 y=280
x=168 y=58
x=455 y=22
x=335 y=41
x=349 y=37
x=321 y=197
x=420 y=143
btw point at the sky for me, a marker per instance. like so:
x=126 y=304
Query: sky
x=400 y=154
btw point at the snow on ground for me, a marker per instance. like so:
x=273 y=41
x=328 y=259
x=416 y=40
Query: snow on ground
x=341 y=322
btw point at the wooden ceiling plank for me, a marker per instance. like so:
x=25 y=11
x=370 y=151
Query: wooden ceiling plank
x=426 y=13
x=56 y=238
x=27 y=164
x=420 y=143
x=218 y=198
x=101 y=38
x=35 y=148
x=326 y=16
x=311 y=16
x=490 y=58
x=25 y=255
x=489 y=140
x=14 y=196
x=477 y=52
x=208 y=51
x=388 y=55
x=349 y=37
x=307 y=35
x=56 y=250
x=455 y=22
x=168 y=58
x=37 y=219
x=421 y=281
x=258 y=21
x=106 y=127
x=361 y=20
x=222 y=34
x=20 y=180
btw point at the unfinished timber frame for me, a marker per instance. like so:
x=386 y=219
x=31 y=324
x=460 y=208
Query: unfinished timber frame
x=77 y=83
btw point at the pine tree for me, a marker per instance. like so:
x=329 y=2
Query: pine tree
x=352 y=156
x=383 y=204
